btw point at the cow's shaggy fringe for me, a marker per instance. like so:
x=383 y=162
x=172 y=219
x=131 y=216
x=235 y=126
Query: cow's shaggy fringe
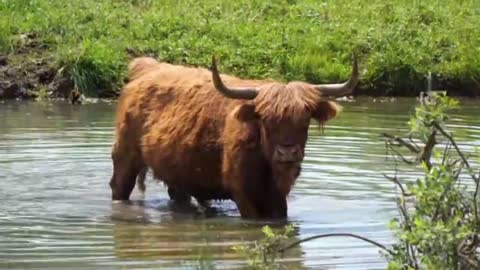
x=277 y=101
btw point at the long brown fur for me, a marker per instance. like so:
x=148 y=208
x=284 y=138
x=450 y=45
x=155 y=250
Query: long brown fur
x=199 y=143
x=277 y=101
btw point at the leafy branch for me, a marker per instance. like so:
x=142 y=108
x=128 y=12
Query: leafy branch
x=440 y=229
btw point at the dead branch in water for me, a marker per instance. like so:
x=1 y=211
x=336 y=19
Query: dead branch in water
x=410 y=145
x=294 y=244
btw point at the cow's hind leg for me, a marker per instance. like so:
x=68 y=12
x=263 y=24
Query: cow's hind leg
x=178 y=196
x=125 y=171
x=142 y=175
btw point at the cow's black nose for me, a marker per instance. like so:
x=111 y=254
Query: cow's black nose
x=290 y=153
x=287 y=149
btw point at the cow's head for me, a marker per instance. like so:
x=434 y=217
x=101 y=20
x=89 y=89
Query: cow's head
x=283 y=112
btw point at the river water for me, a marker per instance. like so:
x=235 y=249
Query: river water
x=56 y=211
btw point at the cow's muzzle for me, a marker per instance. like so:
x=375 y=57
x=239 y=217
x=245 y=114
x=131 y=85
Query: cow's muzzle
x=288 y=154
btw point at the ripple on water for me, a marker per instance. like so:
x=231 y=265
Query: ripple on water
x=56 y=211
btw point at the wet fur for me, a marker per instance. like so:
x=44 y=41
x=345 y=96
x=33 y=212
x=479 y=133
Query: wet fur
x=199 y=143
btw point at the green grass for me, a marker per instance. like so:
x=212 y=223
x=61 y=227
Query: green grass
x=312 y=40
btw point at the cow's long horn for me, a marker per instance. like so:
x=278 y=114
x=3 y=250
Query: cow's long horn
x=235 y=93
x=340 y=89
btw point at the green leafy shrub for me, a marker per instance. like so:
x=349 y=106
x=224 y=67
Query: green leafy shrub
x=439 y=226
x=262 y=254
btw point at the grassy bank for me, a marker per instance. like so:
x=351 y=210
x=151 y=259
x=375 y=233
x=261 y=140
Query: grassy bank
x=91 y=41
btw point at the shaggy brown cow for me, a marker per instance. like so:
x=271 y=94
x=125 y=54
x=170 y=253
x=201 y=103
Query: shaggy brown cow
x=215 y=136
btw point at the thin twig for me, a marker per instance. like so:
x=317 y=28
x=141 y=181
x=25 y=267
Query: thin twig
x=390 y=147
x=454 y=163
x=413 y=142
x=402 y=157
x=401 y=141
x=475 y=206
x=450 y=138
x=402 y=205
x=294 y=244
x=446 y=152
x=466 y=249
x=401 y=202
x=403 y=210
x=395 y=180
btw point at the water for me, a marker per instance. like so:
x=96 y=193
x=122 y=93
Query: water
x=56 y=212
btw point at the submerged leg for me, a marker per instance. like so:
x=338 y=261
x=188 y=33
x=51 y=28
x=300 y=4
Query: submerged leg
x=178 y=196
x=246 y=206
x=274 y=207
x=125 y=171
x=203 y=203
x=141 y=179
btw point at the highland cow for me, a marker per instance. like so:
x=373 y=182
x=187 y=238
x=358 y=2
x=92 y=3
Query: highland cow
x=212 y=136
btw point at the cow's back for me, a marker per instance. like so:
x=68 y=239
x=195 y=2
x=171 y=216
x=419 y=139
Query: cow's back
x=176 y=118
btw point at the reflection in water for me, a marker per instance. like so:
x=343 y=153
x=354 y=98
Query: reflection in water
x=56 y=212
x=141 y=232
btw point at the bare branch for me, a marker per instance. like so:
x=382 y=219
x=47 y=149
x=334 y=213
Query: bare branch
x=446 y=152
x=401 y=141
x=412 y=141
x=396 y=181
x=401 y=201
x=403 y=210
x=467 y=248
x=426 y=153
x=460 y=153
x=414 y=257
x=404 y=159
x=294 y=244
x=475 y=203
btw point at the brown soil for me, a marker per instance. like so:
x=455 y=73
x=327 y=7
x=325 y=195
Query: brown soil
x=30 y=71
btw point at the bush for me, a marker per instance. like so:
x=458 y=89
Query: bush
x=439 y=225
x=262 y=254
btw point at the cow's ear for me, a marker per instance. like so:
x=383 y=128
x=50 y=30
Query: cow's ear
x=245 y=112
x=326 y=110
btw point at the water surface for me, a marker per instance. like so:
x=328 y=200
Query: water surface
x=56 y=212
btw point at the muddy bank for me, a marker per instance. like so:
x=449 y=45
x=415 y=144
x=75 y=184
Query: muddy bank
x=32 y=73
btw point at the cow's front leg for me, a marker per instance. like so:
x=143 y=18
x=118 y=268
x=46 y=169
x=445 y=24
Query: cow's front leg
x=246 y=206
x=274 y=206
